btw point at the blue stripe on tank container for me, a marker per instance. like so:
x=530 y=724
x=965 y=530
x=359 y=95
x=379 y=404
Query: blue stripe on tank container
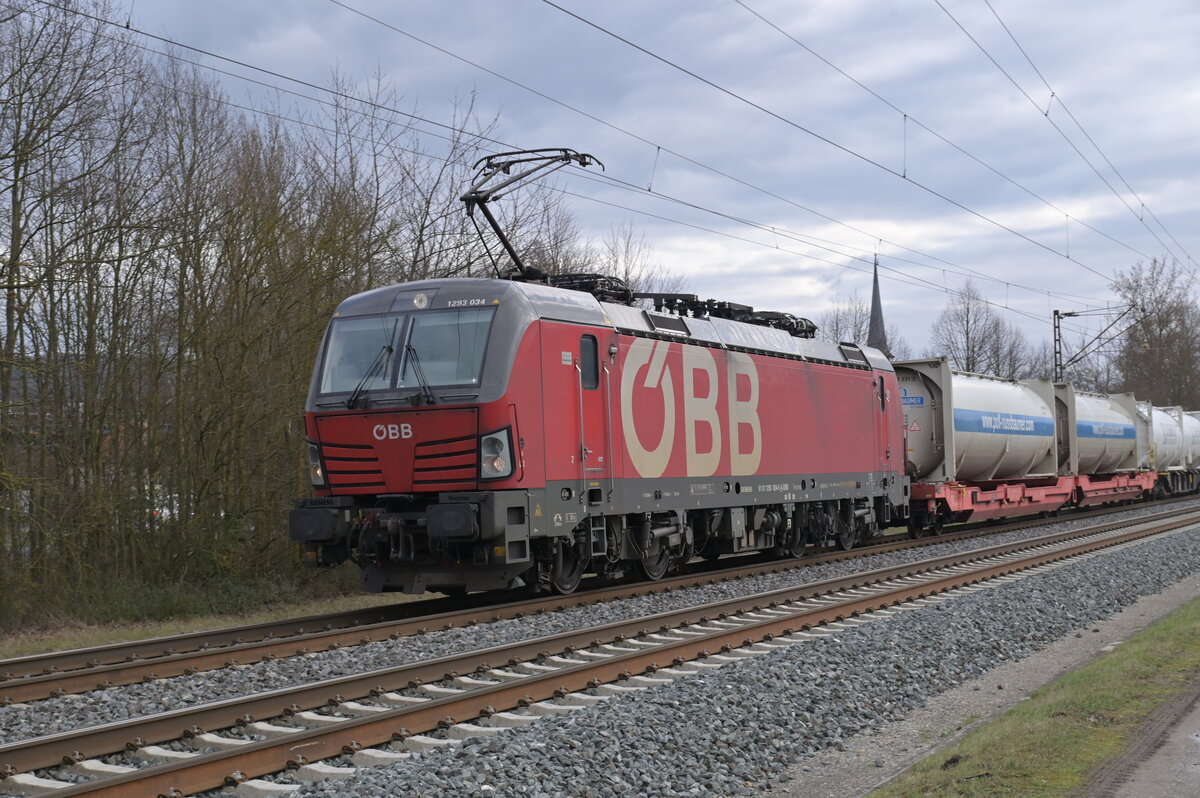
x=1101 y=429
x=1002 y=423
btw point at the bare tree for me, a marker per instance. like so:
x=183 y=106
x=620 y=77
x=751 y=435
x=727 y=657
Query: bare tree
x=1040 y=363
x=850 y=320
x=167 y=269
x=901 y=350
x=976 y=339
x=548 y=237
x=69 y=124
x=624 y=253
x=1159 y=357
x=1009 y=351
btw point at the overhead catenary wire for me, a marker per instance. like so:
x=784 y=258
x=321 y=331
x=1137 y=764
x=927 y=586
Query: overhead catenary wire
x=835 y=144
x=660 y=148
x=1088 y=348
x=376 y=106
x=776 y=230
x=904 y=279
x=1055 y=125
x=1057 y=98
x=264 y=70
x=908 y=118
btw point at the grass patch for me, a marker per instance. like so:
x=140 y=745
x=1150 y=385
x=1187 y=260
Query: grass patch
x=79 y=635
x=1047 y=745
x=133 y=611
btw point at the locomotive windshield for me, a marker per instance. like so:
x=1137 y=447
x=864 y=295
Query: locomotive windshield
x=376 y=353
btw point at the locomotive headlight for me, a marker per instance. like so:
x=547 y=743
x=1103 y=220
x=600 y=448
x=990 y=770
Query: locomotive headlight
x=495 y=450
x=316 y=471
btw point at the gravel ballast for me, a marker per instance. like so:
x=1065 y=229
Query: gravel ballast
x=734 y=730
x=51 y=716
x=19 y=723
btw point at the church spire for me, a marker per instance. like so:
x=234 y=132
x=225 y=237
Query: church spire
x=877 y=332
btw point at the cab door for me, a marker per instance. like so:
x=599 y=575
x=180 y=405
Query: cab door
x=594 y=392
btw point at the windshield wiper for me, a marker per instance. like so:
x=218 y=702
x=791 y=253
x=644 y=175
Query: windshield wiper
x=420 y=372
x=380 y=359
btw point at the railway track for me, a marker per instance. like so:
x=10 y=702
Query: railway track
x=404 y=705
x=59 y=673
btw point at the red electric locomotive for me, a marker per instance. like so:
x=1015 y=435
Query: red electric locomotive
x=475 y=434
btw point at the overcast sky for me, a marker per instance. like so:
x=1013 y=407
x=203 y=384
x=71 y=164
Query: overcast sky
x=924 y=150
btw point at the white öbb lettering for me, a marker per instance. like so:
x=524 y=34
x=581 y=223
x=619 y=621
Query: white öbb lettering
x=702 y=388
x=383 y=432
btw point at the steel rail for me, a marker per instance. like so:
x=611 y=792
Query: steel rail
x=208 y=771
x=96 y=741
x=48 y=685
x=93 y=657
x=166 y=645
x=30 y=665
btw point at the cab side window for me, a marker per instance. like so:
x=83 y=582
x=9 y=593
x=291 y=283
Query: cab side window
x=589 y=363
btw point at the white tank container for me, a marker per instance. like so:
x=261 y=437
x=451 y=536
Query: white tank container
x=1097 y=433
x=1166 y=437
x=1191 y=435
x=972 y=428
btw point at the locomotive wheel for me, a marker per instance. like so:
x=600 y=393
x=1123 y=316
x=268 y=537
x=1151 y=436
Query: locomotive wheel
x=798 y=543
x=654 y=565
x=569 y=564
x=685 y=554
x=848 y=538
x=849 y=534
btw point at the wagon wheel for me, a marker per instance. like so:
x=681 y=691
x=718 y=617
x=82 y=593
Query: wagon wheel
x=569 y=565
x=920 y=526
x=653 y=566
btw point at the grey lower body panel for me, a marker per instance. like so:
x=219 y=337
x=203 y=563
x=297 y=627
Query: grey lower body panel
x=625 y=496
x=417 y=578
x=487 y=540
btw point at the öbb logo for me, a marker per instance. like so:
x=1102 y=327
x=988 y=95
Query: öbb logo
x=706 y=393
x=383 y=432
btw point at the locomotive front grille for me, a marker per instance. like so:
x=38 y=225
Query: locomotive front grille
x=351 y=465
x=447 y=464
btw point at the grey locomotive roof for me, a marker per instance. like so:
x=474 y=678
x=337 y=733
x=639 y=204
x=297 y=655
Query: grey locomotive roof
x=560 y=304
